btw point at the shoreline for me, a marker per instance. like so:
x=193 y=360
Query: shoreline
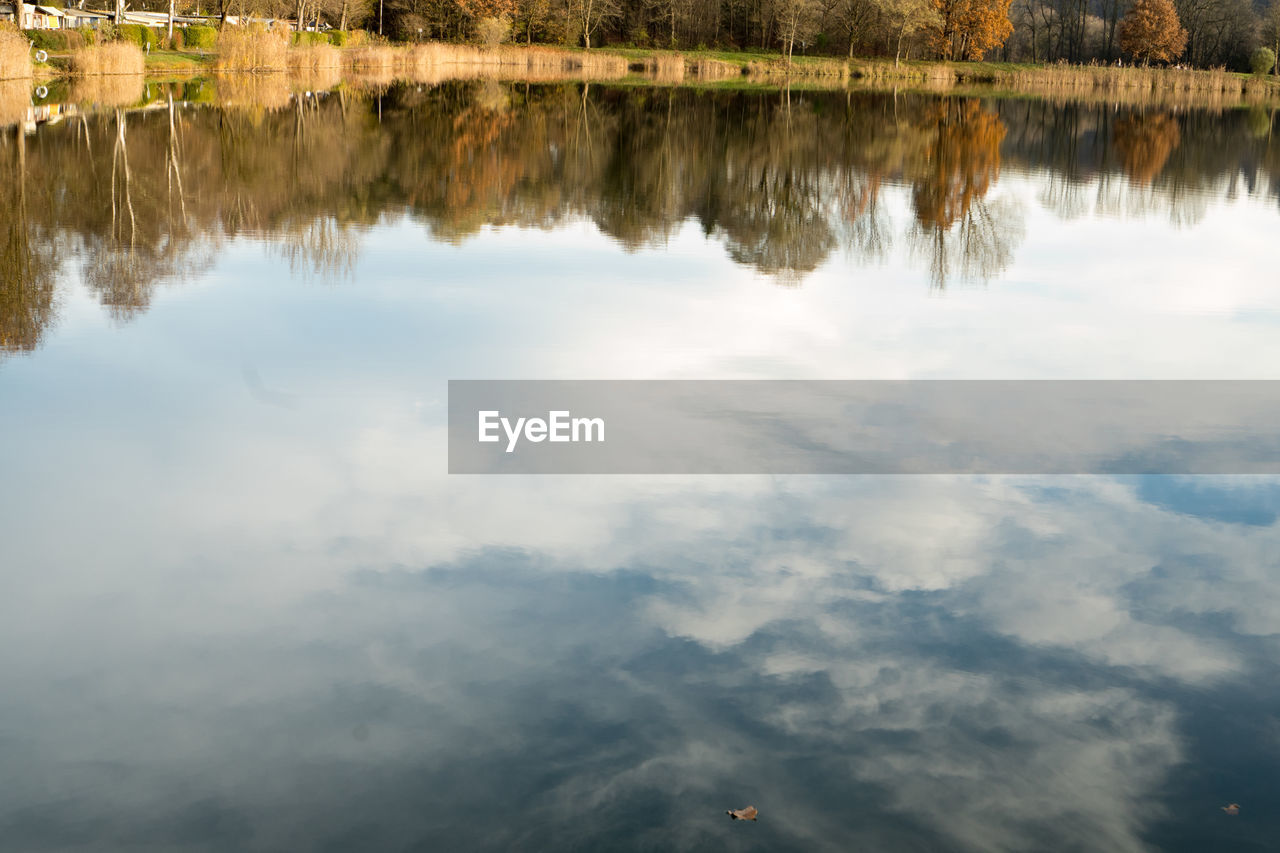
x=436 y=62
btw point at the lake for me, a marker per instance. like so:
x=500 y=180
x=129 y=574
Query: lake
x=244 y=607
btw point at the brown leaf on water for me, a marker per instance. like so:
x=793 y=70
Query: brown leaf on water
x=1233 y=808
x=749 y=813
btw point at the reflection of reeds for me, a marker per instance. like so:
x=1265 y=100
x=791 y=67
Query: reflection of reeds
x=117 y=90
x=15 y=99
x=315 y=79
x=370 y=82
x=253 y=48
x=253 y=91
x=15 y=54
x=117 y=57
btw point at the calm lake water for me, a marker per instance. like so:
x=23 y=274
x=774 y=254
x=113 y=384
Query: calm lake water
x=243 y=607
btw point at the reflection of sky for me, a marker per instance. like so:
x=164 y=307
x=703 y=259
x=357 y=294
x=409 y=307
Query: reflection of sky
x=244 y=608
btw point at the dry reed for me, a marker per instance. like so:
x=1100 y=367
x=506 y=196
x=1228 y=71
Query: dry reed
x=833 y=69
x=116 y=57
x=663 y=67
x=441 y=61
x=714 y=69
x=313 y=58
x=15 y=54
x=253 y=48
x=376 y=59
x=1131 y=84
x=930 y=73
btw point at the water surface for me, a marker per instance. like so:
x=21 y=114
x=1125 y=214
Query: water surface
x=242 y=606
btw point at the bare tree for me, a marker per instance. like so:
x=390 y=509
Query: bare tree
x=905 y=17
x=589 y=15
x=797 y=22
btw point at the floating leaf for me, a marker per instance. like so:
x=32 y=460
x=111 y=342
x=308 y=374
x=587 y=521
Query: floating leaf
x=749 y=813
x=1233 y=808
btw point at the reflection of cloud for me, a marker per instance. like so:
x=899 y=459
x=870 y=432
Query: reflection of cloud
x=952 y=662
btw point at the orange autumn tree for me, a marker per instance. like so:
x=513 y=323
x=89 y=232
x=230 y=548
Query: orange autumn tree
x=488 y=10
x=1151 y=32
x=967 y=29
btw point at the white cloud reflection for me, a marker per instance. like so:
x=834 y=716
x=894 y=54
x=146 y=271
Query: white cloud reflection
x=249 y=626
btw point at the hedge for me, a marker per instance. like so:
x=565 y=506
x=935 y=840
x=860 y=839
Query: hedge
x=55 y=40
x=200 y=38
x=143 y=37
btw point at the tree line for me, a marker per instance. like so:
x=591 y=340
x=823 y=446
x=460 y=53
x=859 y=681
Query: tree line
x=1199 y=33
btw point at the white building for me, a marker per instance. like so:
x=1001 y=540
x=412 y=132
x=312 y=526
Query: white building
x=30 y=17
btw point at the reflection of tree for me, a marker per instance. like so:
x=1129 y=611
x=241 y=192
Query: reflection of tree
x=782 y=180
x=116 y=271
x=955 y=226
x=977 y=248
x=640 y=194
x=770 y=194
x=1144 y=143
x=1065 y=197
x=783 y=231
x=322 y=246
x=147 y=237
x=961 y=165
x=27 y=266
x=867 y=230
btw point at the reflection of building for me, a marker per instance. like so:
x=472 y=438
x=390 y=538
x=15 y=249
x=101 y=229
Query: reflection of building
x=46 y=114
